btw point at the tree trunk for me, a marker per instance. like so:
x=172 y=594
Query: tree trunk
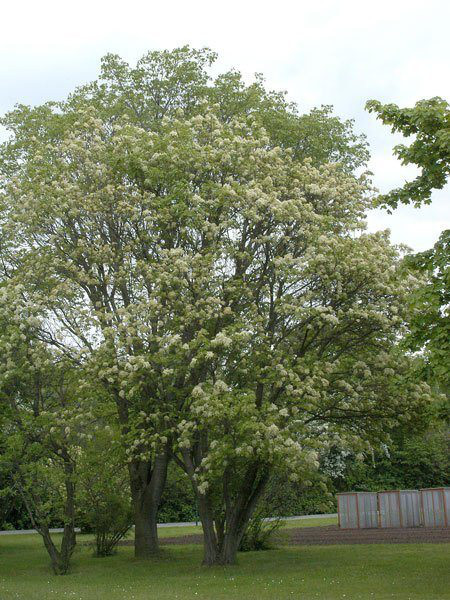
x=210 y=542
x=147 y=485
x=69 y=536
x=145 y=532
x=229 y=548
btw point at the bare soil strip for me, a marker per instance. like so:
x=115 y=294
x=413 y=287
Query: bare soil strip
x=331 y=534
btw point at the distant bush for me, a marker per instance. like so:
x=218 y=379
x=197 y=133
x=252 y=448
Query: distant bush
x=178 y=501
x=411 y=462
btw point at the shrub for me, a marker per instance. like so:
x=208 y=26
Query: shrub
x=259 y=532
x=104 y=497
x=110 y=518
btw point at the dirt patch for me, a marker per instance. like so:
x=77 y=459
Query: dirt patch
x=331 y=534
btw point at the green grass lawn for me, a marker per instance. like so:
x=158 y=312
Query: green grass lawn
x=309 y=522
x=178 y=531
x=379 y=571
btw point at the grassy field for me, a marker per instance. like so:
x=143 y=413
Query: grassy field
x=178 y=531
x=410 y=571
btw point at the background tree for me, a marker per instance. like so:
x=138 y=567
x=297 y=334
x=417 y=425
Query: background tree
x=411 y=461
x=430 y=316
x=43 y=429
x=429 y=122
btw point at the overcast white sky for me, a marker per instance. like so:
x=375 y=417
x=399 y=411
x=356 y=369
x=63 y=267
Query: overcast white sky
x=339 y=52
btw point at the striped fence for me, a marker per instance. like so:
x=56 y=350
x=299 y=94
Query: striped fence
x=394 y=508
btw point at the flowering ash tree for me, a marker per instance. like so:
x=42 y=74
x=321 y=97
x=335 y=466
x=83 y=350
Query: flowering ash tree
x=220 y=288
x=93 y=235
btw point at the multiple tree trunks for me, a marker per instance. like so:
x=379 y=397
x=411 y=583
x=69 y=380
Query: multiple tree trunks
x=60 y=559
x=222 y=536
x=147 y=484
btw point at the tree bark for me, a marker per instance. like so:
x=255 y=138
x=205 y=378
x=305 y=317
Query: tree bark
x=210 y=539
x=147 y=485
x=228 y=552
x=222 y=539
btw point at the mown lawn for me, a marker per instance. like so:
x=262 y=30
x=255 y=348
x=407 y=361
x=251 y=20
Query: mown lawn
x=410 y=571
x=179 y=531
